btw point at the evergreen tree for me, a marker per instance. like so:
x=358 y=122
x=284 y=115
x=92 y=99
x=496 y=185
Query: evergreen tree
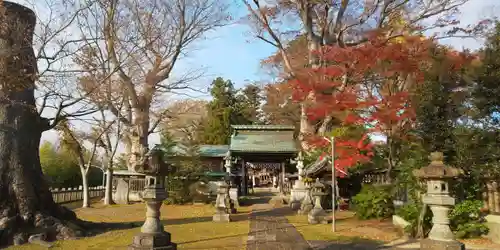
x=439 y=104
x=486 y=92
x=249 y=102
x=221 y=113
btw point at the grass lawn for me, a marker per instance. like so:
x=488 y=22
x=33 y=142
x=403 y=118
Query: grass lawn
x=191 y=227
x=348 y=229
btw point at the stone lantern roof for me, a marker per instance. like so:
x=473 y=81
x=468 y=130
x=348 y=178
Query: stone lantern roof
x=437 y=169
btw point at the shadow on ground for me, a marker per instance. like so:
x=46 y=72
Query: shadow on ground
x=96 y=228
x=360 y=244
x=78 y=204
x=257 y=198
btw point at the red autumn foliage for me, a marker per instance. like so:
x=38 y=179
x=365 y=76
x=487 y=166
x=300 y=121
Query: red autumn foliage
x=348 y=153
x=368 y=85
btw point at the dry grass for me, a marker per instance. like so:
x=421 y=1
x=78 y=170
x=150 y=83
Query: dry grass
x=191 y=227
x=348 y=228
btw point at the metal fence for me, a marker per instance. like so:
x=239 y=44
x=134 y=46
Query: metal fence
x=64 y=195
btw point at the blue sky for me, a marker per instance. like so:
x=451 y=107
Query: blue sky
x=232 y=53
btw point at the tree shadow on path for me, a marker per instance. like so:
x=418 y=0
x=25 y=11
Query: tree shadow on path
x=358 y=244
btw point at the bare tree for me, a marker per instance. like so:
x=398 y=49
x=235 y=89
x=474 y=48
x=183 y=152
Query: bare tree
x=111 y=139
x=144 y=40
x=185 y=118
x=74 y=141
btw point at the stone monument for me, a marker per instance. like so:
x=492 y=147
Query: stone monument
x=299 y=190
x=122 y=192
x=153 y=235
x=222 y=205
x=317 y=214
x=437 y=176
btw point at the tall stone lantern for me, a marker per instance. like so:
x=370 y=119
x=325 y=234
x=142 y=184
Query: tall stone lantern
x=437 y=177
x=317 y=214
x=233 y=189
x=222 y=205
x=153 y=235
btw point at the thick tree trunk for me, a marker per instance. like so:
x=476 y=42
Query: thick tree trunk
x=139 y=137
x=108 y=195
x=26 y=203
x=305 y=128
x=85 y=184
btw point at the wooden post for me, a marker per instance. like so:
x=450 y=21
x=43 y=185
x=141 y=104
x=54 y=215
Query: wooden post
x=283 y=177
x=485 y=198
x=243 y=178
x=491 y=202
x=496 y=197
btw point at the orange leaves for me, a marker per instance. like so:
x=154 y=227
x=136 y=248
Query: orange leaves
x=368 y=85
x=348 y=152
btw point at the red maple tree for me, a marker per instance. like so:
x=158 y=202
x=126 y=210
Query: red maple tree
x=369 y=85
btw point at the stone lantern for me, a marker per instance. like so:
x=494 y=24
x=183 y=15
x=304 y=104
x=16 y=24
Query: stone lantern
x=437 y=177
x=233 y=189
x=317 y=214
x=307 y=204
x=222 y=205
x=227 y=181
x=153 y=235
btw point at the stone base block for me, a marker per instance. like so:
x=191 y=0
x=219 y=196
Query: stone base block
x=305 y=209
x=317 y=220
x=295 y=205
x=159 y=241
x=220 y=217
x=233 y=194
x=493 y=223
x=428 y=244
x=317 y=216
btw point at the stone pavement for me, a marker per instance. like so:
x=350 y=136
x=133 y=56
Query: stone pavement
x=270 y=230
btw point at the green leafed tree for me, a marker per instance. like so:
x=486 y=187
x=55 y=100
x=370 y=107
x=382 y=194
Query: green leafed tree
x=249 y=101
x=487 y=88
x=440 y=103
x=221 y=113
x=57 y=167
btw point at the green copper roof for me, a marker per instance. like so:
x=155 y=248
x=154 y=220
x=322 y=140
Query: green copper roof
x=262 y=143
x=204 y=150
x=213 y=150
x=262 y=127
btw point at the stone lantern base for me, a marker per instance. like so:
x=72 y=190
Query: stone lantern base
x=146 y=241
x=233 y=194
x=429 y=244
x=306 y=205
x=221 y=216
x=297 y=194
x=317 y=216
